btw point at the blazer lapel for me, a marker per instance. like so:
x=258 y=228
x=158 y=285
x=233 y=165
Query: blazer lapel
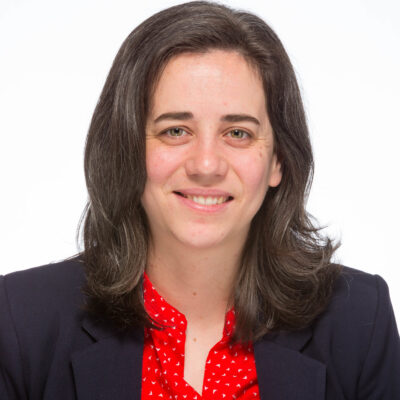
x=284 y=373
x=111 y=367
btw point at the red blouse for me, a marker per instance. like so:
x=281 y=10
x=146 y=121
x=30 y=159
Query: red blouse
x=230 y=371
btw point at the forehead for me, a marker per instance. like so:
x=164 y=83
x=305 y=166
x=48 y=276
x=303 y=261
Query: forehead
x=209 y=81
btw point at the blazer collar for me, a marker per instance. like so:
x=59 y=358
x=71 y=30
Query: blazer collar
x=111 y=367
x=284 y=372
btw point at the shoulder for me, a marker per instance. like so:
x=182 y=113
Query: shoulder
x=358 y=301
x=68 y=270
x=357 y=337
x=356 y=297
x=38 y=301
x=45 y=288
x=40 y=318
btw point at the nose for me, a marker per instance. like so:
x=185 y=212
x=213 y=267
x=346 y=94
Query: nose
x=205 y=162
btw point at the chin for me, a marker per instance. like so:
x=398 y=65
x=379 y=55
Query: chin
x=200 y=239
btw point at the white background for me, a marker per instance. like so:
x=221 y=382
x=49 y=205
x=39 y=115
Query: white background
x=55 y=56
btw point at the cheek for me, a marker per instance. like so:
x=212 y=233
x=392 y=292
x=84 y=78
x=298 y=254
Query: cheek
x=160 y=164
x=254 y=174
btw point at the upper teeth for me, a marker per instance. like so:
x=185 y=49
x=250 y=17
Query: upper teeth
x=208 y=201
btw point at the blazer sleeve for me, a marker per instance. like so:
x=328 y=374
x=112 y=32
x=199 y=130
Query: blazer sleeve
x=11 y=375
x=380 y=374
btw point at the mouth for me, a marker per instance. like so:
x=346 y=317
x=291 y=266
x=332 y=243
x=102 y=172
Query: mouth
x=206 y=200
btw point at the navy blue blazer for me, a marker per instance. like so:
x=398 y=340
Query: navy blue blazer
x=51 y=349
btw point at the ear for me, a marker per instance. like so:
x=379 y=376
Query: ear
x=275 y=175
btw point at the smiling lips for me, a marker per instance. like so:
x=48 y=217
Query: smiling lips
x=205 y=197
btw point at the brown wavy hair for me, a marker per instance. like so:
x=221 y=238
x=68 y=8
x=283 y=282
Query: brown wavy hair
x=286 y=274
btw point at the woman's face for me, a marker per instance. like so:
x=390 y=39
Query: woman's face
x=209 y=151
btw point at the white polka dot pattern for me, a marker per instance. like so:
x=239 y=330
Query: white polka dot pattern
x=230 y=371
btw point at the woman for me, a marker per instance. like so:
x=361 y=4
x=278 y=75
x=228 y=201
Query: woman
x=202 y=275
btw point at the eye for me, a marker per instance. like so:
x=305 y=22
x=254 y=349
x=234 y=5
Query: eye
x=238 y=134
x=175 y=132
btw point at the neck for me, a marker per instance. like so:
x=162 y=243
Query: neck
x=198 y=282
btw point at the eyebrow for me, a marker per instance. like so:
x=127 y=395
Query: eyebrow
x=186 y=115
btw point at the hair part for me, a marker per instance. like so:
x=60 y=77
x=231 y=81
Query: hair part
x=286 y=275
